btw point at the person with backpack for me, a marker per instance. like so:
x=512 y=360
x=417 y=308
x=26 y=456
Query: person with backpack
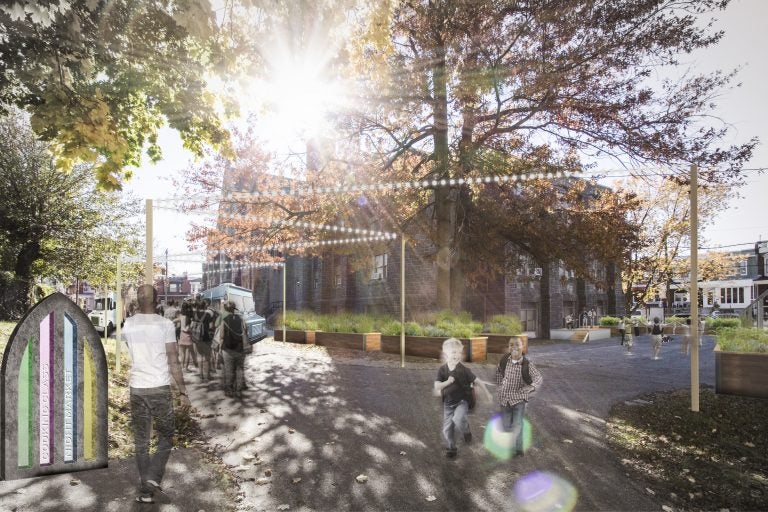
x=657 y=330
x=454 y=383
x=517 y=378
x=233 y=343
x=201 y=330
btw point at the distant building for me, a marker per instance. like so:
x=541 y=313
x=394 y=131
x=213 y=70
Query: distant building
x=173 y=288
x=732 y=294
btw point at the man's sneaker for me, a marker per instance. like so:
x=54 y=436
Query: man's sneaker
x=157 y=492
x=468 y=437
x=451 y=454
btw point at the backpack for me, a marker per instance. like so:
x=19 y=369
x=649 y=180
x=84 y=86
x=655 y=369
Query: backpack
x=526 y=369
x=656 y=329
x=200 y=328
x=232 y=334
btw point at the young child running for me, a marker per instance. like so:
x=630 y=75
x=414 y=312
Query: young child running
x=454 y=383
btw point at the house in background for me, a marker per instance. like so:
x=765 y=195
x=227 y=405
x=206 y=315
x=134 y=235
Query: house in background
x=732 y=294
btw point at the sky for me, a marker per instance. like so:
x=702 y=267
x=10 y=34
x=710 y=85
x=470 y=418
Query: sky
x=742 y=223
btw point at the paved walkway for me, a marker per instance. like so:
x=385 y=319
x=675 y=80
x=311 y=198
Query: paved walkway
x=312 y=422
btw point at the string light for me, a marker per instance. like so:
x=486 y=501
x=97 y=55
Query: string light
x=423 y=184
x=247 y=248
x=309 y=225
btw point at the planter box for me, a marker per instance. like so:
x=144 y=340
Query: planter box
x=499 y=343
x=303 y=337
x=369 y=341
x=741 y=373
x=426 y=346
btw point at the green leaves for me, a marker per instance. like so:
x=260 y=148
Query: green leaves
x=100 y=79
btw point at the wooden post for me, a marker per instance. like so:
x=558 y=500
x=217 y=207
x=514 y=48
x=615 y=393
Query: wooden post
x=119 y=313
x=285 y=271
x=148 y=272
x=694 y=289
x=402 y=300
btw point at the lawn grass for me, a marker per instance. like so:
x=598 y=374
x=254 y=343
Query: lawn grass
x=713 y=459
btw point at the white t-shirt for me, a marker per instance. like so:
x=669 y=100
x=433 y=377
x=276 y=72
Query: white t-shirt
x=146 y=335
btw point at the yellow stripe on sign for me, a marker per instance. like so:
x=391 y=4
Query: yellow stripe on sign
x=89 y=403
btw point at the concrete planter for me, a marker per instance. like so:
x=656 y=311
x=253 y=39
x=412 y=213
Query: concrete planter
x=741 y=373
x=303 y=337
x=499 y=343
x=370 y=341
x=426 y=346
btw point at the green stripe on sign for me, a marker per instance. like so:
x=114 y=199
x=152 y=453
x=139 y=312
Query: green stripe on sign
x=24 y=416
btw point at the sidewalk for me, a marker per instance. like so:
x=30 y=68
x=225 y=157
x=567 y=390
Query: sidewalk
x=313 y=421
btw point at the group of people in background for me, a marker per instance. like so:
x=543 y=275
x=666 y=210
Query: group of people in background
x=658 y=337
x=588 y=318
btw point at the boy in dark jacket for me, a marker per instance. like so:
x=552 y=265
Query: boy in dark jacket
x=454 y=382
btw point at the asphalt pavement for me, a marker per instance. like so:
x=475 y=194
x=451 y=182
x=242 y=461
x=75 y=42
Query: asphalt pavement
x=338 y=430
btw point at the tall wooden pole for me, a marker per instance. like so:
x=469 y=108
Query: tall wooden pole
x=694 y=289
x=402 y=301
x=285 y=271
x=148 y=273
x=119 y=313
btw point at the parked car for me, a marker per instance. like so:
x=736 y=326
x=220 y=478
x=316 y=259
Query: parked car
x=719 y=314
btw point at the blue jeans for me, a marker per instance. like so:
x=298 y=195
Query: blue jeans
x=454 y=416
x=148 y=404
x=512 y=420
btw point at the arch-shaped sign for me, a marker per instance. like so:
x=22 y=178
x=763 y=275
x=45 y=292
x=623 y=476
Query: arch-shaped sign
x=53 y=401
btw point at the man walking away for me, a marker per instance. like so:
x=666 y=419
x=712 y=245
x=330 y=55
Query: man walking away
x=517 y=378
x=234 y=346
x=622 y=329
x=151 y=341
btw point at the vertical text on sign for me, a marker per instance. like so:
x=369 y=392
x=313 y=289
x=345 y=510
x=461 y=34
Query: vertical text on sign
x=45 y=390
x=70 y=383
x=25 y=407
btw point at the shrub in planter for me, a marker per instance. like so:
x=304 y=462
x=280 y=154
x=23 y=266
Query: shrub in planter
x=741 y=362
x=298 y=320
x=742 y=339
x=504 y=324
x=609 y=321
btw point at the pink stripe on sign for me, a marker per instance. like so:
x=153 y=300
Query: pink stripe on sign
x=45 y=390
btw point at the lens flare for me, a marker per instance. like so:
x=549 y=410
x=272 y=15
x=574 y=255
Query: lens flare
x=501 y=444
x=542 y=491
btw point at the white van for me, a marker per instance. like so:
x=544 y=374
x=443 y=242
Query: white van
x=104 y=312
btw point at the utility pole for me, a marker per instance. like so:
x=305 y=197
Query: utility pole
x=148 y=271
x=167 y=281
x=694 y=289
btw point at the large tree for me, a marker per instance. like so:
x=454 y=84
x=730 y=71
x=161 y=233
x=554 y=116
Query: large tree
x=568 y=223
x=663 y=217
x=100 y=78
x=53 y=224
x=462 y=85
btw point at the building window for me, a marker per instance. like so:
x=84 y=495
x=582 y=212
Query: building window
x=743 y=268
x=379 y=267
x=732 y=295
x=174 y=288
x=337 y=277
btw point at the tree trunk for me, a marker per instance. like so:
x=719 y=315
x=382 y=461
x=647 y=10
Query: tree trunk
x=445 y=198
x=14 y=297
x=543 y=331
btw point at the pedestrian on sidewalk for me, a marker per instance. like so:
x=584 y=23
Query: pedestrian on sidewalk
x=517 y=378
x=622 y=329
x=234 y=346
x=657 y=330
x=186 y=346
x=454 y=383
x=202 y=330
x=151 y=341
